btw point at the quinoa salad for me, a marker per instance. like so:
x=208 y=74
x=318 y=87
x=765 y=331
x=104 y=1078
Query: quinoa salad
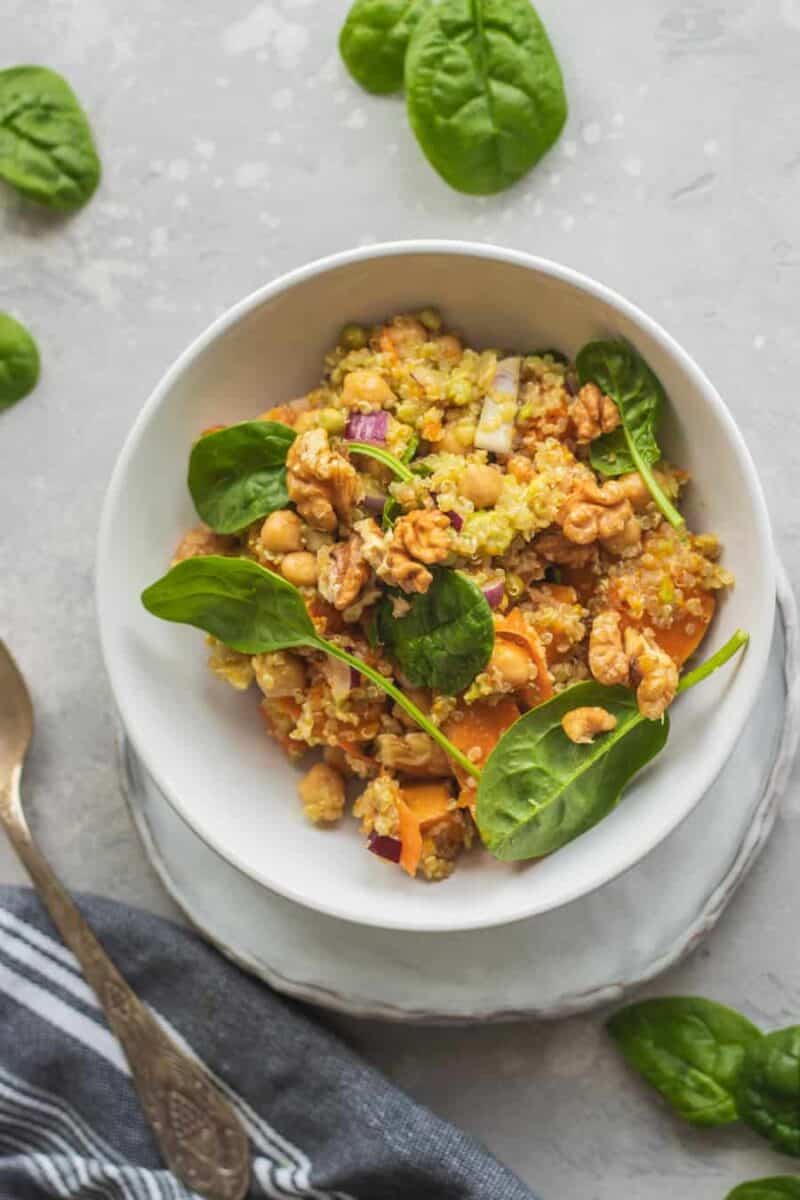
x=419 y=464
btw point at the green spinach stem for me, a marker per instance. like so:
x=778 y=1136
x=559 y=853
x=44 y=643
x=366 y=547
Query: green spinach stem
x=670 y=512
x=415 y=713
x=382 y=456
x=731 y=647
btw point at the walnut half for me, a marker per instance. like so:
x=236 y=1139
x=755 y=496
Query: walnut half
x=321 y=482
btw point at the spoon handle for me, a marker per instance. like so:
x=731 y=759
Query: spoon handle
x=200 y=1136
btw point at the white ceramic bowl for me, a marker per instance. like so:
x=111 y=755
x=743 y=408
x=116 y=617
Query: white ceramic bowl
x=204 y=744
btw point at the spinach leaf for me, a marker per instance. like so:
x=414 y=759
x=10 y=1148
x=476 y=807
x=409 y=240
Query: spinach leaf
x=778 y=1187
x=239 y=474
x=384 y=457
x=19 y=361
x=539 y=790
x=242 y=604
x=484 y=91
x=46 y=146
x=768 y=1089
x=255 y=611
x=690 y=1050
x=374 y=39
x=447 y=636
x=623 y=375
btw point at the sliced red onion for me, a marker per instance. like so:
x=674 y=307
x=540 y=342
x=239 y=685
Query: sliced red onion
x=456 y=520
x=385 y=847
x=494 y=593
x=367 y=427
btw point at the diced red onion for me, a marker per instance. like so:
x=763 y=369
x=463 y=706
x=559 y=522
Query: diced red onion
x=385 y=847
x=368 y=427
x=494 y=593
x=373 y=502
x=456 y=520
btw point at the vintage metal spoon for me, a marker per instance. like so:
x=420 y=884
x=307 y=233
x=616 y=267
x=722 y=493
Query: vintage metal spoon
x=200 y=1136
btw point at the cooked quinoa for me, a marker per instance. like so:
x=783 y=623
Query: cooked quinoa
x=585 y=577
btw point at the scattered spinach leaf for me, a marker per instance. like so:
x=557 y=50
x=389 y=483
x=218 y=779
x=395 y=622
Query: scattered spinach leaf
x=382 y=456
x=374 y=40
x=690 y=1050
x=255 y=611
x=238 y=474
x=623 y=375
x=447 y=636
x=778 y=1187
x=410 y=450
x=19 y=361
x=484 y=91
x=539 y=790
x=46 y=147
x=768 y=1089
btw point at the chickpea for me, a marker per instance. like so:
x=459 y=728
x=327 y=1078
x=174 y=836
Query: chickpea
x=279 y=674
x=300 y=568
x=458 y=437
x=366 y=387
x=403 y=336
x=512 y=662
x=449 y=348
x=282 y=532
x=322 y=792
x=481 y=484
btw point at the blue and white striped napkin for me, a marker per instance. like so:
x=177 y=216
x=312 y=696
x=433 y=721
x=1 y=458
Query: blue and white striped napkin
x=322 y=1124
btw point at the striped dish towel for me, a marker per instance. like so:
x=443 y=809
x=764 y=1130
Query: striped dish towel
x=322 y=1124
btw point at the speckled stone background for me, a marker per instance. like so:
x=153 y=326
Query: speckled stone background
x=234 y=148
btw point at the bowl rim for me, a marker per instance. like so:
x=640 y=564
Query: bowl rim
x=752 y=667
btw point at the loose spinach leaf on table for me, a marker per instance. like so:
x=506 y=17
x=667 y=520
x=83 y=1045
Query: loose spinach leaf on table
x=690 y=1050
x=484 y=91
x=768 y=1089
x=255 y=611
x=46 y=147
x=447 y=636
x=19 y=361
x=777 y=1187
x=539 y=790
x=238 y=474
x=623 y=375
x=374 y=40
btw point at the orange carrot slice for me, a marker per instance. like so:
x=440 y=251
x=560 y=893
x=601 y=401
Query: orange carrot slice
x=410 y=839
x=479 y=727
x=429 y=802
x=684 y=636
x=514 y=627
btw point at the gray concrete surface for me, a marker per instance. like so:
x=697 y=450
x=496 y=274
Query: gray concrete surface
x=234 y=148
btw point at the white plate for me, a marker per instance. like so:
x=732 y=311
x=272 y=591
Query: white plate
x=585 y=954
x=205 y=745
